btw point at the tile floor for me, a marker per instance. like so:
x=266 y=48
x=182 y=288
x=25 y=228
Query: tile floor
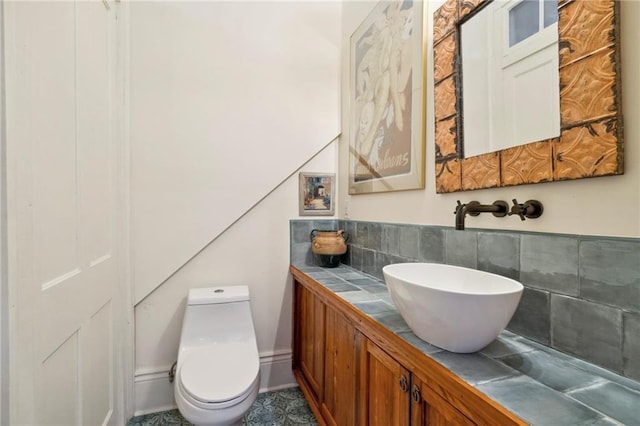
x=286 y=407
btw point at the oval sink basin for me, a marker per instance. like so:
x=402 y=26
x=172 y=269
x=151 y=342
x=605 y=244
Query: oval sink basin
x=455 y=308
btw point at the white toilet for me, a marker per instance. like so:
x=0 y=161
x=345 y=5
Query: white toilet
x=218 y=370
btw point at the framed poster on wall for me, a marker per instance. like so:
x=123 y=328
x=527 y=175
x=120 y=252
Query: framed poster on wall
x=387 y=99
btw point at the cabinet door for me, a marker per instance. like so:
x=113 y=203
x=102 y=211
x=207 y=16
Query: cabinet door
x=341 y=342
x=309 y=338
x=429 y=408
x=384 y=388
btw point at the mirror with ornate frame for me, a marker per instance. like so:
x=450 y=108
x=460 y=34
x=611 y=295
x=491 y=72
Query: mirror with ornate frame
x=590 y=142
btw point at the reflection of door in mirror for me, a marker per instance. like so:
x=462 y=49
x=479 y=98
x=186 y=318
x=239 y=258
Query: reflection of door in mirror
x=510 y=75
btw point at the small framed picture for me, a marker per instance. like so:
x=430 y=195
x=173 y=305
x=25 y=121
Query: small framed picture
x=317 y=193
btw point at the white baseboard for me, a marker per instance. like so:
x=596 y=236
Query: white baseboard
x=154 y=392
x=275 y=371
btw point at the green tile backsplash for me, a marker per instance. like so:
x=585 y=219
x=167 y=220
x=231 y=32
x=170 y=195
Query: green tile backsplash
x=582 y=294
x=550 y=263
x=610 y=273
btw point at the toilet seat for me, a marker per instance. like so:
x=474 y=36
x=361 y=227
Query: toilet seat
x=224 y=372
x=218 y=406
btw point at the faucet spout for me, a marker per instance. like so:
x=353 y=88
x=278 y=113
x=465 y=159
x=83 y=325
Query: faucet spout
x=499 y=208
x=461 y=212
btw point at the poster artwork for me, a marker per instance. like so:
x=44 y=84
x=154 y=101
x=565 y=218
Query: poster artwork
x=382 y=50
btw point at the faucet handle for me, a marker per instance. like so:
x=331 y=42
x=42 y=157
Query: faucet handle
x=531 y=209
x=517 y=208
x=458 y=207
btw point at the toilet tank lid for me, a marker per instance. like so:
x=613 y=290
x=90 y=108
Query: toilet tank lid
x=211 y=295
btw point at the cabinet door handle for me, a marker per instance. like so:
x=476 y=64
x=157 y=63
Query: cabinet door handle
x=415 y=394
x=404 y=384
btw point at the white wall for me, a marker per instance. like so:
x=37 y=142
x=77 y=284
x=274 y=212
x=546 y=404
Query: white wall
x=227 y=99
x=253 y=252
x=600 y=206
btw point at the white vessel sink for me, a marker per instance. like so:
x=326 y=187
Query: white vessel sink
x=455 y=308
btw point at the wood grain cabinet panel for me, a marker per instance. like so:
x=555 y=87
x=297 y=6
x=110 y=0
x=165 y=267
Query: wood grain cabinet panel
x=393 y=395
x=429 y=408
x=309 y=337
x=384 y=388
x=341 y=344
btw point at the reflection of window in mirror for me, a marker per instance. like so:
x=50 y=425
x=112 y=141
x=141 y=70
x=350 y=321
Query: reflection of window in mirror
x=525 y=18
x=510 y=83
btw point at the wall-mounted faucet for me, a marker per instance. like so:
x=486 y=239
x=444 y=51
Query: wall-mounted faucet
x=530 y=209
x=473 y=208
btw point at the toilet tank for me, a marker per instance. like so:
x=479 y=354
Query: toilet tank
x=213 y=316
x=211 y=295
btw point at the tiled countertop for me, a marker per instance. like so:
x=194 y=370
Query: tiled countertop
x=537 y=383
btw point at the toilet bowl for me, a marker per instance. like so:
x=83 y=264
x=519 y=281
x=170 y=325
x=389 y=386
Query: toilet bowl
x=218 y=369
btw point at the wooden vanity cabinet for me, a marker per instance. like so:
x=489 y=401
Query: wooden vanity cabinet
x=383 y=388
x=324 y=357
x=392 y=395
x=308 y=355
x=353 y=371
x=341 y=344
x=429 y=408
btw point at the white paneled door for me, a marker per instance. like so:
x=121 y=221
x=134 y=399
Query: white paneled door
x=62 y=153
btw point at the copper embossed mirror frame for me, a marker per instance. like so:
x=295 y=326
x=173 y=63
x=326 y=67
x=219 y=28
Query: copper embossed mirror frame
x=590 y=142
